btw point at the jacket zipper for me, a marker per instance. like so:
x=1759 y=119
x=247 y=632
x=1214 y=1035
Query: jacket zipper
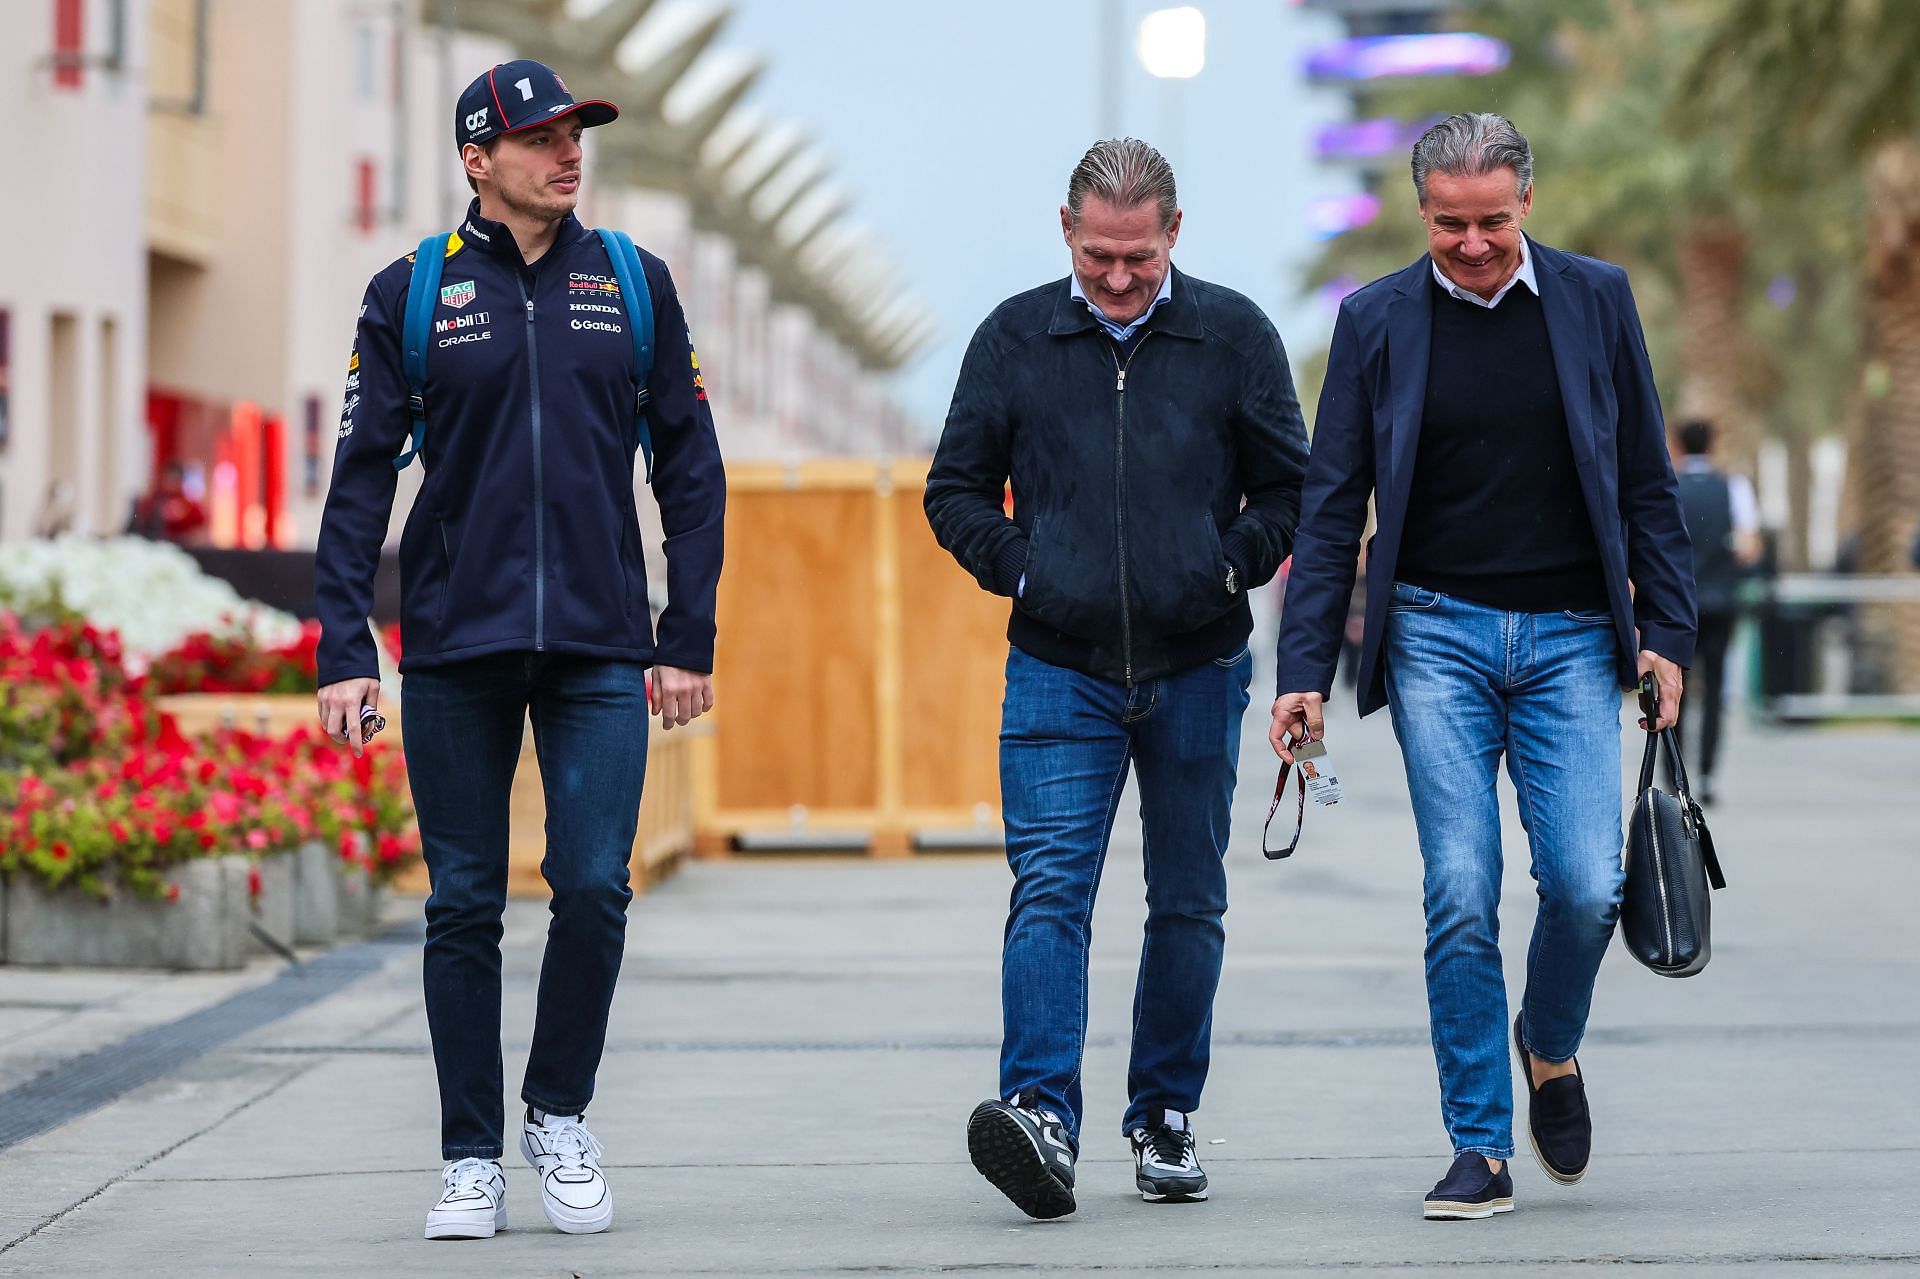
x=539 y=496
x=1120 y=498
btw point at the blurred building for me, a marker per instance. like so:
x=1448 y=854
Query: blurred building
x=73 y=316
x=1384 y=41
x=226 y=175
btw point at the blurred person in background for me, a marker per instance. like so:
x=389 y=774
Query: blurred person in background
x=1723 y=519
x=1148 y=423
x=169 y=513
x=523 y=597
x=1530 y=560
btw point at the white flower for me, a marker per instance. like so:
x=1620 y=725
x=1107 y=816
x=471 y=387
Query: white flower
x=152 y=593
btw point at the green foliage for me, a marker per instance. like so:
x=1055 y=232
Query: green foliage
x=1649 y=118
x=1804 y=87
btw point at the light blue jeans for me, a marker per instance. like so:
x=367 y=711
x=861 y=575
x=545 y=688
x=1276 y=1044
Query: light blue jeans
x=1467 y=684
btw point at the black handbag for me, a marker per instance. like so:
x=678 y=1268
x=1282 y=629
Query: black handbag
x=1665 y=919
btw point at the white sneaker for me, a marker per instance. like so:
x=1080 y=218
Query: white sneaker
x=474 y=1204
x=573 y=1190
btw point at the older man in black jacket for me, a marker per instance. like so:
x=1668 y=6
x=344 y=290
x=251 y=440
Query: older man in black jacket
x=1148 y=423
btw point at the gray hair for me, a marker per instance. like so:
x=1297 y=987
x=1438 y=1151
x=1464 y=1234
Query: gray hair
x=1124 y=172
x=1472 y=145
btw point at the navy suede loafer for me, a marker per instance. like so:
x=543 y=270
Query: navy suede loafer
x=1558 y=1122
x=1470 y=1191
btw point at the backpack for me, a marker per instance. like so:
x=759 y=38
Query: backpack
x=423 y=293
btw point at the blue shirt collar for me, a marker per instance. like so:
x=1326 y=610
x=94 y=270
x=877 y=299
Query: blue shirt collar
x=1119 y=332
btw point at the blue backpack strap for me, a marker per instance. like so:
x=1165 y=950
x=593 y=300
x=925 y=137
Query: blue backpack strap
x=423 y=294
x=639 y=304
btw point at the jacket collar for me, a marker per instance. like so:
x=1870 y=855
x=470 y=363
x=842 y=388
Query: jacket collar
x=495 y=238
x=1179 y=317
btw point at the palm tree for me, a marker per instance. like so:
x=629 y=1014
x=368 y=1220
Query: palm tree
x=1588 y=83
x=1834 y=85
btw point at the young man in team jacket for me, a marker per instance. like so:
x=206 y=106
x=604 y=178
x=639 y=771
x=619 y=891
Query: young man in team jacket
x=523 y=595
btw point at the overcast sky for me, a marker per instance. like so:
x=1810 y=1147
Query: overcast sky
x=954 y=127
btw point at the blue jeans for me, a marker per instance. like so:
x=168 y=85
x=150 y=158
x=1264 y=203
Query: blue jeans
x=1066 y=743
x=463 y=724
x=1467 y=683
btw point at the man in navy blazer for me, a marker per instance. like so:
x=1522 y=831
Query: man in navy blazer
x=1496 y=401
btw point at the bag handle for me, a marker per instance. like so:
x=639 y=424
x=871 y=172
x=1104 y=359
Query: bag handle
x=1650 y=707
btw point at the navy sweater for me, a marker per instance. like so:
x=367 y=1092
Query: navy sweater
x=1495 y=514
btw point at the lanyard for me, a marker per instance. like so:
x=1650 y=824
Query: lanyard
x=1299 y=816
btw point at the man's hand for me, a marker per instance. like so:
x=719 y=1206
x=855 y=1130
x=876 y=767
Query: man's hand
x=1296 y=718
x=1670 y=678
x=679 y=697
x=340 y=710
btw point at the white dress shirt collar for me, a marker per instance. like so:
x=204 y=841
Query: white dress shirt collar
x=1524 y=275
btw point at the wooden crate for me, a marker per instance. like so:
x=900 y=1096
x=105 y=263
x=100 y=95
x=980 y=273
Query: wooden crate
x=859 y=669
x=665 y=832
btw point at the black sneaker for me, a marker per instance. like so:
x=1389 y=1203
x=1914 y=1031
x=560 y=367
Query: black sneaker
x=1558 y=1122
x=1164 y=1166
x=1470 y=1191
x=1024 y=1151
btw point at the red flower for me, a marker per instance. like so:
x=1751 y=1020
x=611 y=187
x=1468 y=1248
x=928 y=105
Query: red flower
x=60 y=850
x=253 y=881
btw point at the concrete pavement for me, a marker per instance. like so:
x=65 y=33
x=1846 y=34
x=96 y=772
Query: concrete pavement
x=797 y=1044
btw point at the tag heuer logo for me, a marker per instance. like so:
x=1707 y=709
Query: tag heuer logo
x=457 y=295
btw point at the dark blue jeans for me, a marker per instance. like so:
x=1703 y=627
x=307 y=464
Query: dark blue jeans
x=1468 y=684
x=463 y=725
x=1066 y=743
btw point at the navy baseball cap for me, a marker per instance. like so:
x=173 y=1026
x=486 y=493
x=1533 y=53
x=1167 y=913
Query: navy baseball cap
x=518 y=95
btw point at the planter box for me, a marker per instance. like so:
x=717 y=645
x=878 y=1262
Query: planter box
x=316 y=894
x=274 y=908
x=356 y=900
x=335 y=900
x=205 y=929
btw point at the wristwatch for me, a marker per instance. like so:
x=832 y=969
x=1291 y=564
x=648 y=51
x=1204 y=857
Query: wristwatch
x=1233 y=580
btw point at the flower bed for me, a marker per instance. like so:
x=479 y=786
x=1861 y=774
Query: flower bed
x=208 y=662
x=102 y=796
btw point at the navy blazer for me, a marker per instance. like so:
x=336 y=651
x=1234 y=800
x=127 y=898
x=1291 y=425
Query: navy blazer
x=1365 y=441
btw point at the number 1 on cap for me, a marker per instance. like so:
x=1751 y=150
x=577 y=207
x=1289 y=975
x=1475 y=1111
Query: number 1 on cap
x=525 y=85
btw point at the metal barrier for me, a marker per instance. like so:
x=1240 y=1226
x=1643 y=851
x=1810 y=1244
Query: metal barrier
x=1828 y=646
